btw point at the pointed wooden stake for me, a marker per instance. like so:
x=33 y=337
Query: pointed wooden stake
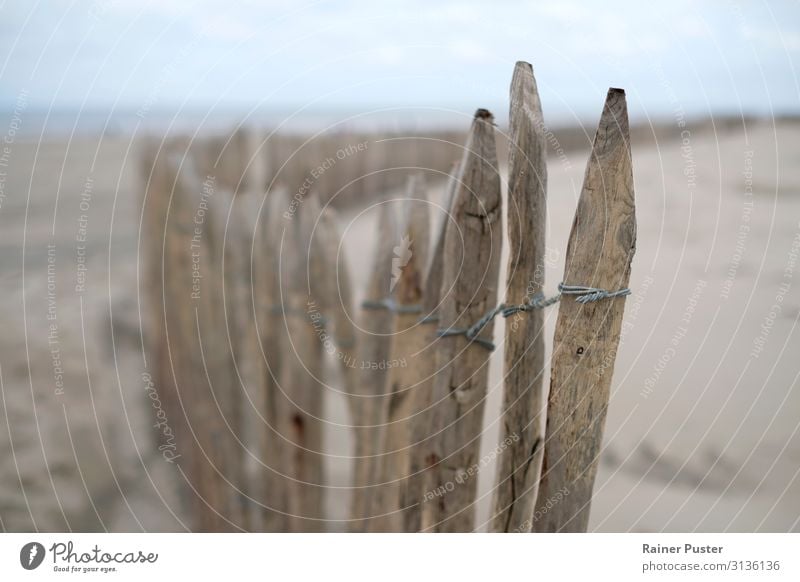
x=599 y=253
x=523 y=415
x=408 y=344
x=369 y=390
x=469 y=288
x=425 y=363
x=435 y=268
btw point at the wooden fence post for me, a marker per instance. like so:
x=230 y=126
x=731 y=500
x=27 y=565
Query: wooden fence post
x=599 y=253
x=425 y=364
x=417 y=391
x=224 y=330
x=251 y=161
x=469 y=288
x=206 y=392
x=222 y=339
x=520 y=459
x=301 y=402
x=249 y=303
x=369 y=390
x=339 y=293
x=272 y=331
x=408 y=342
x=167 y=282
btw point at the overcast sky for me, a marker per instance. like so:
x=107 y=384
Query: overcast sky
x=706 y=56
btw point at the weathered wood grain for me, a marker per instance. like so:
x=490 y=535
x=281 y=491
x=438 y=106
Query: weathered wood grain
x=599 y=254
x=469 y=288
x=523 y=414
x=408 y=345
x=435 y=269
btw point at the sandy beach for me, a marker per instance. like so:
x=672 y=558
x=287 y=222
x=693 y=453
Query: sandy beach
x=702 y=429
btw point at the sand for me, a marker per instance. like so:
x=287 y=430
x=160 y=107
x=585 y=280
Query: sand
x=702 y=426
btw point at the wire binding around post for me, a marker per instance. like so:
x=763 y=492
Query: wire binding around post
x=538 y=301
x=390 y=304
x=590 y=294
x=472 y=332
x=583 y=295
x=430 y=318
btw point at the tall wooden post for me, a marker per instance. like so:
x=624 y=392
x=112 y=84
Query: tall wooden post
x=199 y=344
x=167 y=285
x=373 y=347
x=599 y=253
x=273 y=335
x=469 y=288
x=425 y=364
x=224 y=342
x=248 y=303
x=300 y=406
x=523 y=411
x=408 y=347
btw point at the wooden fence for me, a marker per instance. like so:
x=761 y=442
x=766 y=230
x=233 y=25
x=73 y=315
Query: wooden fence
x=252 y=325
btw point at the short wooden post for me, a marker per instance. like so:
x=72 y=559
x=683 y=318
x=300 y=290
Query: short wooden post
x=425 y=364
x=408 y=345
x=522 y=431
x=469 y=288
x=373 y=347
x=599 y=253
x=250 y=160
